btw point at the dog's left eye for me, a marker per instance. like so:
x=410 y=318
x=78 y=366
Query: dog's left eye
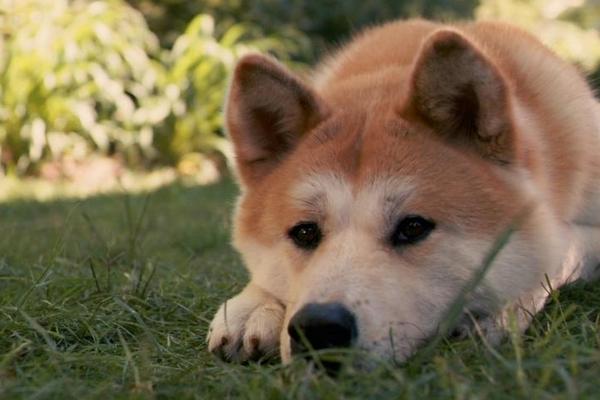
x=306 y=235
x=411 y=229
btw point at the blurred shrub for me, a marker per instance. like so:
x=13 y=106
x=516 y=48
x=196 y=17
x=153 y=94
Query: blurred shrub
x=331 y=22
x=199 y=66
x=566 y=26
x=325 y=22
x=84 y=76
x=89 y=76
x=77 y=77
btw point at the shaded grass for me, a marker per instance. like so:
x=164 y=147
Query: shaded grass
x=111 y=297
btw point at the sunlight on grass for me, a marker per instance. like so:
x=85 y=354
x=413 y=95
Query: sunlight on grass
x=128 y=181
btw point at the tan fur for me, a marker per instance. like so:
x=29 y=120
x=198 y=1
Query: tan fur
x=387 y=129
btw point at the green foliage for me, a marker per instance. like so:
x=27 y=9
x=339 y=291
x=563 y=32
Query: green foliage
x=199 y=66
x=325 y=22
x=330 y=22
x=566 y=26
x=78 y=77
x=145 y=79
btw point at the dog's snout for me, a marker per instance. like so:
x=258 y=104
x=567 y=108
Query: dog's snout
x=322 y=326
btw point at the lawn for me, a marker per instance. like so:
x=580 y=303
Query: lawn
x=110 y=297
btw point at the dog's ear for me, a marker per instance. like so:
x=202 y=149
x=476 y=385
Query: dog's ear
x=458 y=91
x=267 y=113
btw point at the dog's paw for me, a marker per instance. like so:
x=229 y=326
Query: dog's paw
x=489 y=327
x=494 y=327
x=246 y=327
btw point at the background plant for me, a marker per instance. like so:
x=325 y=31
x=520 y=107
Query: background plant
x=199 y=65
x=143 y=81
x=82 y=77
x=77 y=77
x=569 y=27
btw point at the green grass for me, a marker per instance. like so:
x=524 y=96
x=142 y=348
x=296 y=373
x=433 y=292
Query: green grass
x=110 y=297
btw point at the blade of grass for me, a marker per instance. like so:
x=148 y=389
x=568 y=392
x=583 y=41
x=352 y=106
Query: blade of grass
x=40 y=330
x=91 y=264
x=140 y=321
x=26 y=295
x=130 y=361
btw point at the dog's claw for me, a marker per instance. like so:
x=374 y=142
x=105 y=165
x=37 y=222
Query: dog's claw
x=254 y=343
x=246 y=329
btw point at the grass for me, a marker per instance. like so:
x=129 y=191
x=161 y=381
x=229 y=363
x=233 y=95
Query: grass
x=110 y=297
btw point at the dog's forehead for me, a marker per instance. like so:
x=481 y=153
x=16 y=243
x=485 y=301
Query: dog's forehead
x=344 y=199
x=372 y=173
x=365 y=170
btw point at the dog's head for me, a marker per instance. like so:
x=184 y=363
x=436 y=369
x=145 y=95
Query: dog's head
x=369 y=202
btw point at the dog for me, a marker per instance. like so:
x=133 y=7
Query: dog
x=372 y=193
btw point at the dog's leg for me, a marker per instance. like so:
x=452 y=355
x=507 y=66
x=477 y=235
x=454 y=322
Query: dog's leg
x=247 y=326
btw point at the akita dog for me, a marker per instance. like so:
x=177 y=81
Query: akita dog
x=372 y=195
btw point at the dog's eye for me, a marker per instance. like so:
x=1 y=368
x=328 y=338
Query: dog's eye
x=411 y=229
x=306 y=235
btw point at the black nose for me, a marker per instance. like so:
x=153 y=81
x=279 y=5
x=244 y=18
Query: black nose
x=322 y=326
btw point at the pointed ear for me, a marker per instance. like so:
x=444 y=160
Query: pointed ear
x=267 y=113
x=458 y=91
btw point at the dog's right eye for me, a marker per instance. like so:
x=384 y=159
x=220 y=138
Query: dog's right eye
x=411 y=229
x=306 y=235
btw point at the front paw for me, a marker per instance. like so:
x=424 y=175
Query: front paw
x=489 y=327
x=246 y=327
x=494 y=327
